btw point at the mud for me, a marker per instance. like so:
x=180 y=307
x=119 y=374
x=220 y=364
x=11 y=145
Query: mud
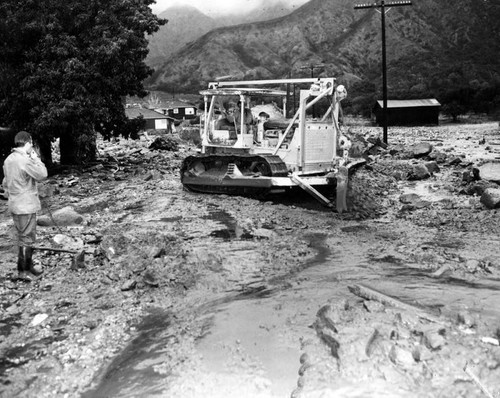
x=187 y=295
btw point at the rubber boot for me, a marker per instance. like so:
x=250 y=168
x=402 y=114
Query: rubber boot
x=20 y=260
x=28 y=254
x=22 y=267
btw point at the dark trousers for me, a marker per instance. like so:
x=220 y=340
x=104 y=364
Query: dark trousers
x=26 y=228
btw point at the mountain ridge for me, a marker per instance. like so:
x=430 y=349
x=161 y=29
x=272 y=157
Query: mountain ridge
x=181 y=19
x=430 y=48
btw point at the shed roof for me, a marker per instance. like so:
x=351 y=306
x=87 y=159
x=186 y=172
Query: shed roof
x=411 y=103
x=133 y=113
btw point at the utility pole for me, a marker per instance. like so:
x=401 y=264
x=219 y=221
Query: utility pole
x=382 y=4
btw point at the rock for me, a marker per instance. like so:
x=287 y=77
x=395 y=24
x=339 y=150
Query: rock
x=490 y=171
x=490 y=340
x=443 y=270
x=38 y=319
x=432 y=167
x=472 y=265
x=399 y=175
x=433 y=339
x=263 y=233
x=401 y=357
x=421 y=353
x=304 y=358
x=466 y=319
x=421 y=149
x=476 y=173
x=455 y=161
x=128 y=285
x=326 y=317
x=409 y=198
x=150 y=279
x=491 y=198
x=467 y=176
x=90 y=323
x=68 y=242
x=477 y=188
x=439 y=157
x=373 y=306
x=62 y=217
x=419 y=172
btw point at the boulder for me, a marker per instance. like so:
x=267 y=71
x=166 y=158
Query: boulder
x=490 y=171
x=491 y=198
x=419 y=172
x=432 y=167
x=439 y=157
x=421 y=149
x=410 y=198
x=401 y=356
x=62 y=217
x=478 y=187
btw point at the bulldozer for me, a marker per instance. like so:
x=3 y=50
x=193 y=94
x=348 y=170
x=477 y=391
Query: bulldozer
x=242 y=156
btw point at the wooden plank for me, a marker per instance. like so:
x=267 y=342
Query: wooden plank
x=371 y=294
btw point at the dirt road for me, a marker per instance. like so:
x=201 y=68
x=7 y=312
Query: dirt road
x=186 y=295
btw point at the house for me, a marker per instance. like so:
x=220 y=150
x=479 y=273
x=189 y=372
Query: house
x=408 y=112
x=153 y=120
x=179 y=110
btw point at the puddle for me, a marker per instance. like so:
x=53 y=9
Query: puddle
x=131 y=373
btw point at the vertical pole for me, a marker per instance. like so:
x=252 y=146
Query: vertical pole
x=382 y=4
x=287 y=99
x=384 y=73
x=312 y=76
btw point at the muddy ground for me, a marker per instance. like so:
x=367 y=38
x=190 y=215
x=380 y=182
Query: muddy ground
x=189 y=295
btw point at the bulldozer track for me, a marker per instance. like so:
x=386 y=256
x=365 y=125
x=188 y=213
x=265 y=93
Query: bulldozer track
x=215 y=167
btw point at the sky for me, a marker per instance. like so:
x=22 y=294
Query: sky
x=219 y=7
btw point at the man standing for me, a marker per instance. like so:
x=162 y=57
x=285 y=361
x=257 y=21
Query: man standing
x=22 y=169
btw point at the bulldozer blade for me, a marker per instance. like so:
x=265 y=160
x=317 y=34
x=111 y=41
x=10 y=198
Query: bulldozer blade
x=342 y=180
x=311 y=190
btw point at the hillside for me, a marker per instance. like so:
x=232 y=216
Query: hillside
x=429 y=46
x=186 y=23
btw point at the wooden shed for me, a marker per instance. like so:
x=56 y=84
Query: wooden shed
x=412 y=112
x=153 y=120
x=179 y=110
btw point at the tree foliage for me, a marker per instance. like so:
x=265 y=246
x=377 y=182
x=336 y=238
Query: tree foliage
x=65 y=67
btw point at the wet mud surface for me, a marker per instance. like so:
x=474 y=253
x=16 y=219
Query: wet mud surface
x=189 y=295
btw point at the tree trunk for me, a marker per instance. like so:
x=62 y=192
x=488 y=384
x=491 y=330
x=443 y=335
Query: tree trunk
x=45 y=152
x=77 y=145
